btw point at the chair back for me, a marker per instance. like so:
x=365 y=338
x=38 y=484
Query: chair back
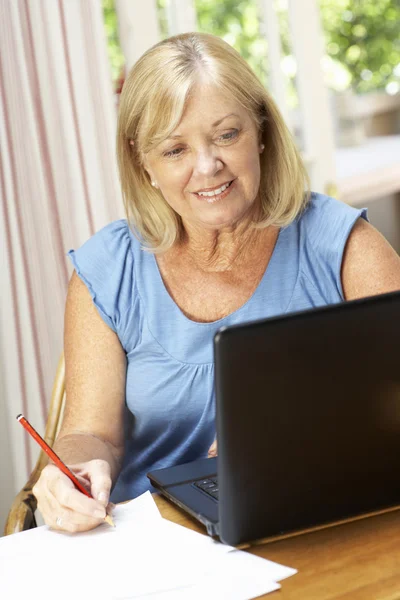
x=57 y=404
x=22 y=512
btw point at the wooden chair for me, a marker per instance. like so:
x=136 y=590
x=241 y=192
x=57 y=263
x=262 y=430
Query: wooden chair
x=22 y=513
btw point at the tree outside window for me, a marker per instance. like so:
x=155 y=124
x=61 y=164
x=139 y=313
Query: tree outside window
x=362 y=40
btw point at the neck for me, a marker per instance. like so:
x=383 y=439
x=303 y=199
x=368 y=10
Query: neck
x=222 y=249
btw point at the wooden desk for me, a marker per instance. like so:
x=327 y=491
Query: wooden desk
x=356 y=561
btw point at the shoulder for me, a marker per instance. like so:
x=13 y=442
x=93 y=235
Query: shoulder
x=105 y=264
x=110 y=237
x=325 y=225
x=321 y=232
x=340 y=237
x=370 y=265
x=106 y=248
x=326 y=218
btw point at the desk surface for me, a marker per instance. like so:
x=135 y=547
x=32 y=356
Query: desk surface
x=355 y=561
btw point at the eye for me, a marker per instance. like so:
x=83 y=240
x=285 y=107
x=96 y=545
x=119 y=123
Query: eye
x=173 y=153
x=229 y=135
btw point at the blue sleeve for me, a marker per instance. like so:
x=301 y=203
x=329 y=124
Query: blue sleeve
x=326 y=226
x=105 y=265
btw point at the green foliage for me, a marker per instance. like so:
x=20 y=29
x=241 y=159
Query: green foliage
x=237 y=22
x=162 y=18
x=364 y=36
x=116 y=58
x=362 y=39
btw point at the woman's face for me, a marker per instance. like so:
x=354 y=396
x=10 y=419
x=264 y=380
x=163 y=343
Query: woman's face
x=209 y=169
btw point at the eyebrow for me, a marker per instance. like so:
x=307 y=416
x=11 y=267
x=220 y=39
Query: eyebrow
x=223 y=118
x=173 y=137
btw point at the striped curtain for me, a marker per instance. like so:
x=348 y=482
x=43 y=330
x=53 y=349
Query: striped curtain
x=58 y=185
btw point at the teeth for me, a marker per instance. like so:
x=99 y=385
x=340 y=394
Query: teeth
x=214 y=192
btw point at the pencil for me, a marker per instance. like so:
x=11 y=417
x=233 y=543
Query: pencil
x=57 y=460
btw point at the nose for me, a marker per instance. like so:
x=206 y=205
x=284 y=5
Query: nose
x=207 y=162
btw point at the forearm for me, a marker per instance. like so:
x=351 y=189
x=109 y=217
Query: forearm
x=75 y=448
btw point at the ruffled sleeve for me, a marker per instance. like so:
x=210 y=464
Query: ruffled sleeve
x=326 y=226
x=105 y=265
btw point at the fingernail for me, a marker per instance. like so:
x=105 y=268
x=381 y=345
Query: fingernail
x=99 y=514
x=102 y=497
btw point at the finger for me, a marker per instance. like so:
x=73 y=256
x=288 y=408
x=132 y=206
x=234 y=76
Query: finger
x=67 y=521
x=213 y=450
x=62 y=488
x=61 y=518
x=99 y=473
x=41 y=492
x=40 y=486
x=96 y=478
x=54 y=514
x=44 y=508
x=64 y=519
x=80 y=472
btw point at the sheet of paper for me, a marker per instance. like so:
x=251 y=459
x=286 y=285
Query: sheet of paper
x=170 y=556
x=229 y=579
x=143 y=556
x=216 y=590
x=138 y=513
x=236 y=575
x=143 y=508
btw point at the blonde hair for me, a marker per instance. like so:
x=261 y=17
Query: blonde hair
x=152 y=103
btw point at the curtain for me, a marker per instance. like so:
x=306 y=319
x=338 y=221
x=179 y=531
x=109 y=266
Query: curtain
x=58 y=185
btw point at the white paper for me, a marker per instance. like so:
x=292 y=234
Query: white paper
x=228 y=580
x=138 y=513
x=144 y=556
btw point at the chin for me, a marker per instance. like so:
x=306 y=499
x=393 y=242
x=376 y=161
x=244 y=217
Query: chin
x=223 y=218
x=213 y=224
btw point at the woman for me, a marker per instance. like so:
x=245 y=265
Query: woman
x=221 y=231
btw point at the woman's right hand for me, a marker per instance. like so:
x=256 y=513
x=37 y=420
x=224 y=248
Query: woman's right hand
x=65 y=508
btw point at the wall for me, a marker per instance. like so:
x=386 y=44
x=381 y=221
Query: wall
x=7 y=483
x=384 y=214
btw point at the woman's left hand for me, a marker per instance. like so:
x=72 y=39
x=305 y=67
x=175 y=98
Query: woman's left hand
x=213 y=449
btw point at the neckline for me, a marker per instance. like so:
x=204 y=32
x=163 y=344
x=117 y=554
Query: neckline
x=166 y=297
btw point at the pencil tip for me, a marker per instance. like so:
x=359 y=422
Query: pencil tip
x=109 y=520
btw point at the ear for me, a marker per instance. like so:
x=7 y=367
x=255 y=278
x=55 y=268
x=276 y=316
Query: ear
x=148 y=169
x=149 y=173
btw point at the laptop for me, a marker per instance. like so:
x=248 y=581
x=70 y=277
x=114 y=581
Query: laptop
x=308 y=423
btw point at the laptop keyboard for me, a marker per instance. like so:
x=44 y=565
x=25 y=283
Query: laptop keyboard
x=209 y=486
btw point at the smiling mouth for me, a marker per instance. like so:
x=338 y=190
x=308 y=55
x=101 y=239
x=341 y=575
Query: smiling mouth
x=211 y=195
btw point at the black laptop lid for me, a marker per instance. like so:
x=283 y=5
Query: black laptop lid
x=308 y=418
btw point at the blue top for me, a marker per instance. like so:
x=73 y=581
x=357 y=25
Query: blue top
x=169 y=384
